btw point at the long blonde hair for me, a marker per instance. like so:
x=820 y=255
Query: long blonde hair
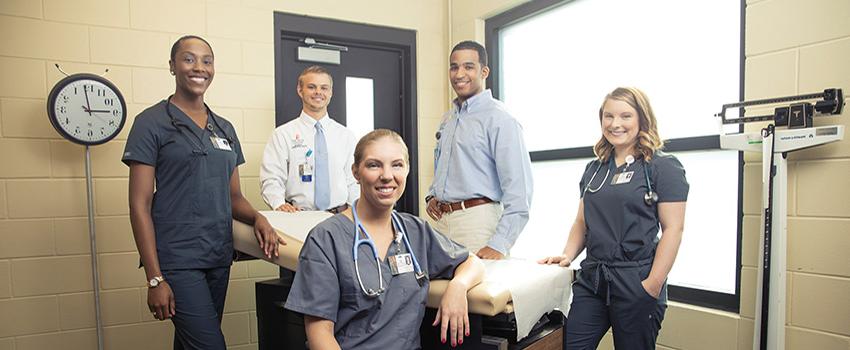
x=648 y=140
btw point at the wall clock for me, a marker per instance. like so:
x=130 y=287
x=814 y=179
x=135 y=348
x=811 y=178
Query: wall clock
x=86 y=109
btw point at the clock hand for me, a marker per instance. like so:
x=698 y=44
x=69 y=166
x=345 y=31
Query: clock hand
x=99 y=111
x=86 y=92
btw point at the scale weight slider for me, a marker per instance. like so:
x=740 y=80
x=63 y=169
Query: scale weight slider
x=800 y=115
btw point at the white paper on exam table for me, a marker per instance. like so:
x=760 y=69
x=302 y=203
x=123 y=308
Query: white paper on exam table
x=296 y=225
x=535 y=289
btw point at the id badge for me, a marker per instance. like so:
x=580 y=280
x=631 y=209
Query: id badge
x=401 y=263
x=220 y=143
x=622 y=178
x=306 y=172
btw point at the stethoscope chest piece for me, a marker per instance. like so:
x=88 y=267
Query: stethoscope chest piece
x=650 y=197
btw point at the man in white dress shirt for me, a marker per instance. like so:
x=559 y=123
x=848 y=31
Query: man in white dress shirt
x=307 y=161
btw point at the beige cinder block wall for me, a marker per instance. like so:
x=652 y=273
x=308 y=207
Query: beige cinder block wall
x=781 y=59
x=45 y=283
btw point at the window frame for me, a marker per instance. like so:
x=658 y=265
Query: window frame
x=706 y=298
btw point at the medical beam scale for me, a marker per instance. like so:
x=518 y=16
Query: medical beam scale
x=798 y=133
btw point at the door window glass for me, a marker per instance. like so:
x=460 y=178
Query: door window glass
x=360 y=105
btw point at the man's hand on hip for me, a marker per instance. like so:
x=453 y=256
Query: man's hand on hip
x=433 y=209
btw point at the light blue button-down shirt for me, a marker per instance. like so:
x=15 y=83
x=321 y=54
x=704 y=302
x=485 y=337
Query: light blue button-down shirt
x=481 y=153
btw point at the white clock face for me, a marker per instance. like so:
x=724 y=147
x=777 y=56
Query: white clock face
x=88 y=110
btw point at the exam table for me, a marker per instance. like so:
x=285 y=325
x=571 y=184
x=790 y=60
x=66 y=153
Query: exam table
x=495 y=322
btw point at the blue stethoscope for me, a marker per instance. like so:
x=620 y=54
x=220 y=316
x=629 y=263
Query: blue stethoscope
x=650 y=197
x=399 y=236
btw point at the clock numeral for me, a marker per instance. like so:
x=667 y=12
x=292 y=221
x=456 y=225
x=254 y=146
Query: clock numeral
x=63 y=109
x=91 y=132
x=77 y=130
x=65 y=99
x=109 y=102
x=116 y=112
x=101 y=93
x=67 y=121
x=103 y=131
x=112 y=123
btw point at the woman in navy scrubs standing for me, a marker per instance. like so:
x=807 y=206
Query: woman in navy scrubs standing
x=628 y=192
x=184 y=194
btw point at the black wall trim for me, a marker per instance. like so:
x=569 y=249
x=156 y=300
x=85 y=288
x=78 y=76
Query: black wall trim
x=699 y=143
x=700 y=297
x=563 y=153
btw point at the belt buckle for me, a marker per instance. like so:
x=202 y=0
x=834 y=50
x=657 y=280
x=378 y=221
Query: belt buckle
x=446 y=204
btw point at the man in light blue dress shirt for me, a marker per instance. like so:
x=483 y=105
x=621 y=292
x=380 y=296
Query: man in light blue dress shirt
x=482 y=184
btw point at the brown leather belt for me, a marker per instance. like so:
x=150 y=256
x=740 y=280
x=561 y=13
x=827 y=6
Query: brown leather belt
x=462 y=205
x=338 y=209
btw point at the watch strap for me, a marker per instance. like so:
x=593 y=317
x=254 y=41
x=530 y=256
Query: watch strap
x=155 y=281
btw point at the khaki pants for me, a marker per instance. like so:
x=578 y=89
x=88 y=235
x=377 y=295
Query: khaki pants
x=471 y=227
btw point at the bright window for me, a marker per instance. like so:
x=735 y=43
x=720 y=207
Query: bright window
x=555 y=65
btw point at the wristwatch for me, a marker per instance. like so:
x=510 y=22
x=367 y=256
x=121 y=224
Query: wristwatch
x=428 y=198
x=155 y=282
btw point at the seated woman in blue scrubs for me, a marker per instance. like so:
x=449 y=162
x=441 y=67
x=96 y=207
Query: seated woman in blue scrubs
x=628 y=192
x=371 y=294
x=184 y=194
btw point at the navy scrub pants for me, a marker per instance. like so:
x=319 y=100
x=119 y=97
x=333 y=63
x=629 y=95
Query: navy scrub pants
x=199 y=299
x=634 y=315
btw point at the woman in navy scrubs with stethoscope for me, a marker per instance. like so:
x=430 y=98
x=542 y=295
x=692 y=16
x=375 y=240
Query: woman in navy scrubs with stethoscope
x=628 y=192
x=184 y=194
x=363 y=274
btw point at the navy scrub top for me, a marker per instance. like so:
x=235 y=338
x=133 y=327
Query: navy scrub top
x=619 y=225
x=326 y=284
x=191 y=207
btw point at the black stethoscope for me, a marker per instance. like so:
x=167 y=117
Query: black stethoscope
x=650 y=197
x=199 y=148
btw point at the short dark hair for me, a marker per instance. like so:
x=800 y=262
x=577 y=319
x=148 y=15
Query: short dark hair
x=185 y=37
x=472 y=45
x=316 y=70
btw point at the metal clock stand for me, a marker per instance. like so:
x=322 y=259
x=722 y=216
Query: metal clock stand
x=88 y=110
x=93 y=240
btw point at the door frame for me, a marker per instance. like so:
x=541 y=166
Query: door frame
x=403 y=40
